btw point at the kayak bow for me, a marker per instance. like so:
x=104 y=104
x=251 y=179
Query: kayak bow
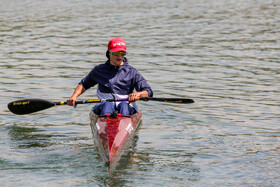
x=112 y=134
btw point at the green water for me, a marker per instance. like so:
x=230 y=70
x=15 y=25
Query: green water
x=222 y=54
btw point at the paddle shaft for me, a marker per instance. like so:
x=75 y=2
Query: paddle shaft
x=168 y=100
x=91 y=101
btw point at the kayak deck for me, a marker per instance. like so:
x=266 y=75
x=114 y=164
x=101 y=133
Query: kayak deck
x=112 y=134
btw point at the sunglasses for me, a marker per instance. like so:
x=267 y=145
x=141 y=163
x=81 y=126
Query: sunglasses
x=118 y=52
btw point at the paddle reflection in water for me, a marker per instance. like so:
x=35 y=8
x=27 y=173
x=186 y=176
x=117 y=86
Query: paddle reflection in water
x=29 y=137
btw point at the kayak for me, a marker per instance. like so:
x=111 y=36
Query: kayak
x=112 y=134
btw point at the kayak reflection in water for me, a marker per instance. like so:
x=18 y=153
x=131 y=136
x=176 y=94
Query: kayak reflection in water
x=116 y=79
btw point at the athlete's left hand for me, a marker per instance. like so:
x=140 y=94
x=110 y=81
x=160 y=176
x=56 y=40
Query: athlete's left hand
x=133 y=97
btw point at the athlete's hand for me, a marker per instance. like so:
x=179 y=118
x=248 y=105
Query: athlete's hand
x=72 y=102
x=133 y=97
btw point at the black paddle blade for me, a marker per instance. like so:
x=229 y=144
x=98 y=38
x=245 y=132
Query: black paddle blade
x=27 y=106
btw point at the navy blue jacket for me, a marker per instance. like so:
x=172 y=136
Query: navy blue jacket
x=116 y=79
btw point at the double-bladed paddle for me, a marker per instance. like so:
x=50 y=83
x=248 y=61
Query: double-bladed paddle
x=27 y=106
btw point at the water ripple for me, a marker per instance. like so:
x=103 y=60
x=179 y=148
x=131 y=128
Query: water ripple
x=222 y=54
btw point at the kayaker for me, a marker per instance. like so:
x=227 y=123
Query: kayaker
x=115 y=79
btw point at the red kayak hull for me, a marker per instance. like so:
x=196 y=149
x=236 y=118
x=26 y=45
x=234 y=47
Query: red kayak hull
x=112 y=134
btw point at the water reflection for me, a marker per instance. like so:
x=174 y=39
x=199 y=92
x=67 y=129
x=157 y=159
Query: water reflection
x=28 y=137
x=176 y=165
x=127 y=158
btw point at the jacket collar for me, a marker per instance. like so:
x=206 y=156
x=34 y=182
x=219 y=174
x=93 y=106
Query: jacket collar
x=117 y=67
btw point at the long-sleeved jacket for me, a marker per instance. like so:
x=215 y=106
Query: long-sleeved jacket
x=120 y=80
